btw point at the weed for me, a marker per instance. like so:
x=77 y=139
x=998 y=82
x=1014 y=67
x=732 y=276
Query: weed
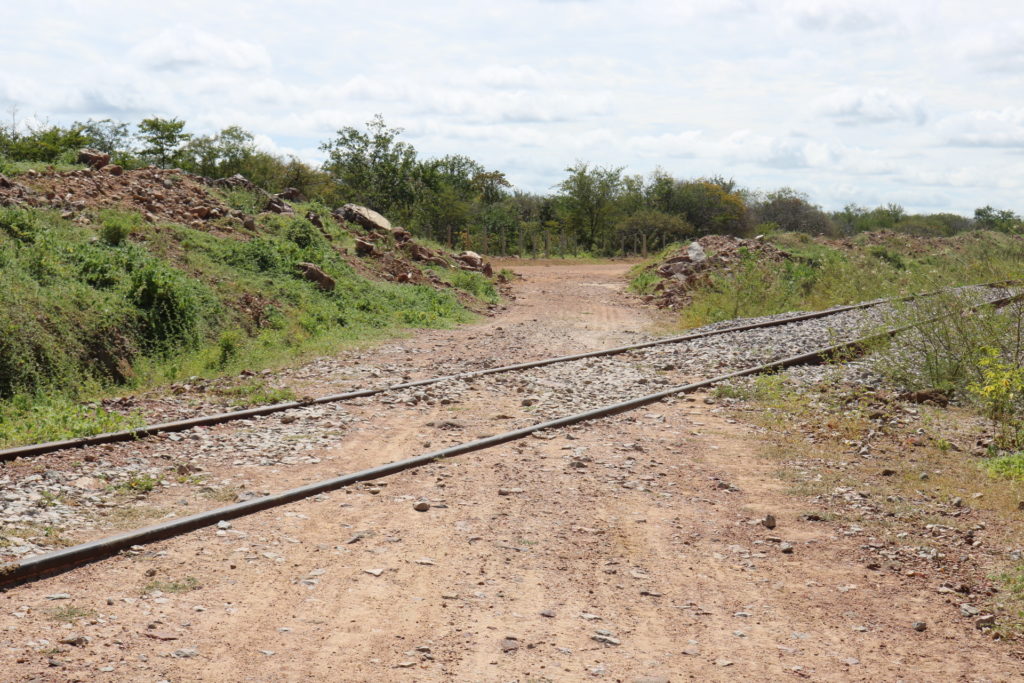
x=257 y=392
x=139 y=483
x=116 y=226
x=189 y=583
x=70 y=613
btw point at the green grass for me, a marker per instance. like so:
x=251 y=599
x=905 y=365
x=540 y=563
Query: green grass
x=33 y=419
x=123 y=304
x=822 y=274
x=142 y=483
x=470 y=281
x=1006 y=467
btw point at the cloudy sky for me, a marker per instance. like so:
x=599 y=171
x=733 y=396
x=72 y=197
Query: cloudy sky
x=910 y=101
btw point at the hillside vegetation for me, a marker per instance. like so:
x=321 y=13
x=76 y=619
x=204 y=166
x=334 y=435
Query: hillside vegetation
x=100 y=298
x=793 y=271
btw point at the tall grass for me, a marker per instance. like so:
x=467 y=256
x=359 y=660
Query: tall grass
x=821 y=275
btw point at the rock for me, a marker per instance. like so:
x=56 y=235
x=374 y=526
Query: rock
x=723 y=662
x=401 y=234
x=292 y=194
x=651 y=679
x=278 y=205
x=59 y=596
x=113 y=169
x=786 y=548
x=75 y=639
x=367 y=218
x=969 y=610
x=696 y=252
x=471 y=259
x=768 y=522
x=373 y=572
x=365 y=248
x=223 y=524
x=315 y=274
x=93 y=158
x=985 y=621
x=920 y=626
x=421 y=506
x=549 y=613
x=509 y=644
x=314 y=218
x=185 y=653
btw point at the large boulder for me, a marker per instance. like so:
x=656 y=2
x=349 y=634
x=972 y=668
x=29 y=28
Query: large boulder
x=471 y=259
x=315 y=274
x=366 y=248
x=93 y=158
x=367 y=218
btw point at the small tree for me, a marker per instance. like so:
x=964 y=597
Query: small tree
x=162 y=139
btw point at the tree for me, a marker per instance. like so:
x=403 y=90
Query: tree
x=163 y=139
x=107 y=135
x=1002 y=220
x=791 y=210
x=218 y=156
x=589 y=198
x=373 y=167
x=710 y=207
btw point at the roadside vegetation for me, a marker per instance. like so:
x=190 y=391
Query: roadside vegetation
x=122 y=304
x=594 y=211
x=823 y=272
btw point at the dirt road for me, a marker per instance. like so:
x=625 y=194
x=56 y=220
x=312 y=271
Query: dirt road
x=627 y=549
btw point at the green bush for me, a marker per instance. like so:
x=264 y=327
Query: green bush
x=116 y=226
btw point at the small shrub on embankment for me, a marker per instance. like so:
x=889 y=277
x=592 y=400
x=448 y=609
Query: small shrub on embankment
x=123 y=302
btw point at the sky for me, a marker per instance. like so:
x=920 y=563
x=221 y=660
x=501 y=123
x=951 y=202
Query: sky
x=920 y=103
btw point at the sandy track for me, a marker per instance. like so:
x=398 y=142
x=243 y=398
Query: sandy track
x=617 y=529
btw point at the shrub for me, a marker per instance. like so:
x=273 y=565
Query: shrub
x=116 y=226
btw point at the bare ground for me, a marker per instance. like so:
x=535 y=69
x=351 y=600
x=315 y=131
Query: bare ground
x=614 y=550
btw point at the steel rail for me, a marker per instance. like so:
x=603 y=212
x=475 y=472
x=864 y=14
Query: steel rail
x=219 y=418
x=67 y=558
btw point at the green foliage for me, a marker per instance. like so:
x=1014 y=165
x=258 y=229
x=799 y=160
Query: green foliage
x=116 y=226
x=1000 y=393
x=162 y=139
x=373 y=167
x=139 y=483
x=171 y=306
x=1006 y=466
x=477 y=284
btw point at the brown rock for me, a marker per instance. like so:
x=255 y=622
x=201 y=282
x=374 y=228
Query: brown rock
x=471 y=259
x=364 y=248
x=278 y=205
x=93 y=158
x=315 y=274
x=113 y=169
x=292 y=194
x=367 y=218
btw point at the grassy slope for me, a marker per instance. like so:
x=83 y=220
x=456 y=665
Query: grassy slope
x=89 y=310
x=825 y=273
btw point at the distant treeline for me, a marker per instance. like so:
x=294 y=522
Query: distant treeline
x=458 y=201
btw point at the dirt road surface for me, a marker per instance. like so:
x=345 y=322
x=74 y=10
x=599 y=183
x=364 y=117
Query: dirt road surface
x=626 y=549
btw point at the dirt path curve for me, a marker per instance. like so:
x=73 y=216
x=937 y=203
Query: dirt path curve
x=621 y=550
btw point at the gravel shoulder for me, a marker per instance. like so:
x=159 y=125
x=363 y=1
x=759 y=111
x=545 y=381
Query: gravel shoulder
x=630 y=548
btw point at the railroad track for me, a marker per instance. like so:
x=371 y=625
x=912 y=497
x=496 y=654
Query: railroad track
x=42 y=565
x=220 y=418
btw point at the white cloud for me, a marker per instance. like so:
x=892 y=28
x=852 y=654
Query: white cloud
x=1002 y=128
x=183 y=48
x=855 y=106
